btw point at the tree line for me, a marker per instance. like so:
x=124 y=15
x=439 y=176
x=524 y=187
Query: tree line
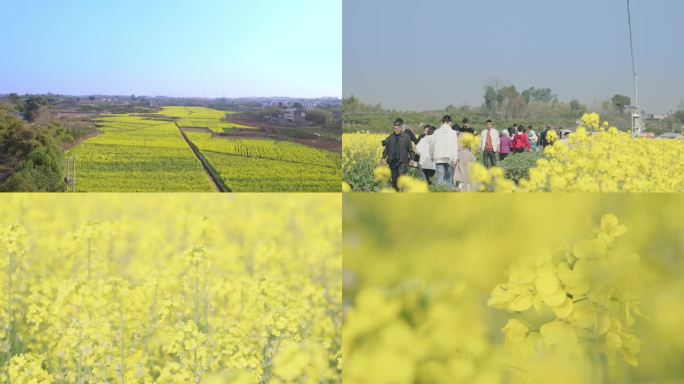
x=32 y=143
x=505 y=104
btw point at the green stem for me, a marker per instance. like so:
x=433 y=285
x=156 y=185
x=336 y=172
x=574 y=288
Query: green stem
x=122 y=330
x=89 y=257
x=10 y=331
x=197 y=325
x=196 y=298
x=266 y=352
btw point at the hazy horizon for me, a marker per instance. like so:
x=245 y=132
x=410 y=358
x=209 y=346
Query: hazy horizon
x=415 y=58
x=176 y=97
x=207 y=49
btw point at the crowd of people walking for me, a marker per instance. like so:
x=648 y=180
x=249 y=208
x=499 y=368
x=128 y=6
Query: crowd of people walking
x=440 y=159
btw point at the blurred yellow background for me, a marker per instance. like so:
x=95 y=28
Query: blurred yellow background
x=419 y=279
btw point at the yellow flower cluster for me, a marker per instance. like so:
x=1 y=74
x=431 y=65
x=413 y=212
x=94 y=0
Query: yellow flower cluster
x=410 y=184
x=360 y=146
x=551 y=136
x=383 y=177
x=590 y=120
x=361 y=155
x=569 y=293
x=490 y=179
x=26 y=368
x=587 y=289
x=410 y=334
x=468 y=140
x=606 y=160
x=382 y=174
x=170 y=289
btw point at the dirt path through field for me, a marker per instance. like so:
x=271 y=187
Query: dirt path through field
x=211 y=173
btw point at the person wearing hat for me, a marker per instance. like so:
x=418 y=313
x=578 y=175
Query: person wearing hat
x=398 y=151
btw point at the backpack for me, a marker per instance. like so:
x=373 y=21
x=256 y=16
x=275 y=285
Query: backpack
x=533 y=137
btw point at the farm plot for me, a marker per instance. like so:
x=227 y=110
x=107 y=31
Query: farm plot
x=200 y=117
x=270 y=166
x=137 y=155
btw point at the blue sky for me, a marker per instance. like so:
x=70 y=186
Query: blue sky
x=177 y=48
x=417 y=55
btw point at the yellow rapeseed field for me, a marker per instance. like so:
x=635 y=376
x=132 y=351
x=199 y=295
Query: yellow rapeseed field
x=597 y=157
x=170 y=289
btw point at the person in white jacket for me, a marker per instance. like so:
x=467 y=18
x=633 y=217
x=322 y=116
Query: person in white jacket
x=444 y=152
x=423 y=150
x=489 y=144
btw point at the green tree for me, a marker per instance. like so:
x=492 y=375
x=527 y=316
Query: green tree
x=500 y=98
x=679 y=116
x=620 y=102
x=575 y=105
x=319 y=116
x=490 y=98
x=605 y=105
x=545 y=95
x=351 y=104
x=33 y=106
x=14 y=99
x=16 y=141
x=509 y=92
x=42 y=171
x=527 y=94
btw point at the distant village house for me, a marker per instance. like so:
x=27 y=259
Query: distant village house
x=289 y=115
x=293 y=114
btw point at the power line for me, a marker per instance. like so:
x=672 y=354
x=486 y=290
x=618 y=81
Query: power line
x=636 y=121
x=631 y=46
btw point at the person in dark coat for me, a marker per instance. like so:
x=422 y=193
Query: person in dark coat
x=511 y=131
x=398 y=152
x=410 y=134
x=543 y=141
x=399 y=121
x=465 y=127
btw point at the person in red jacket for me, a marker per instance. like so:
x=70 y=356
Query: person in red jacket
x=521 y=142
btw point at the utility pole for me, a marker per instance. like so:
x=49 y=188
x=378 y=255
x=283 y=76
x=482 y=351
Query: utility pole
x=70 y=178
x=636 y=113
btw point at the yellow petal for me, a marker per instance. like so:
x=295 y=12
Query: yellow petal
x=565 y=309
x=521 y=303
x=546 y=283
x=556 y=299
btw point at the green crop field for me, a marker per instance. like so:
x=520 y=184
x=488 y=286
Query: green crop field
x=137 y=155
x=269 y=165
x=201 y=117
